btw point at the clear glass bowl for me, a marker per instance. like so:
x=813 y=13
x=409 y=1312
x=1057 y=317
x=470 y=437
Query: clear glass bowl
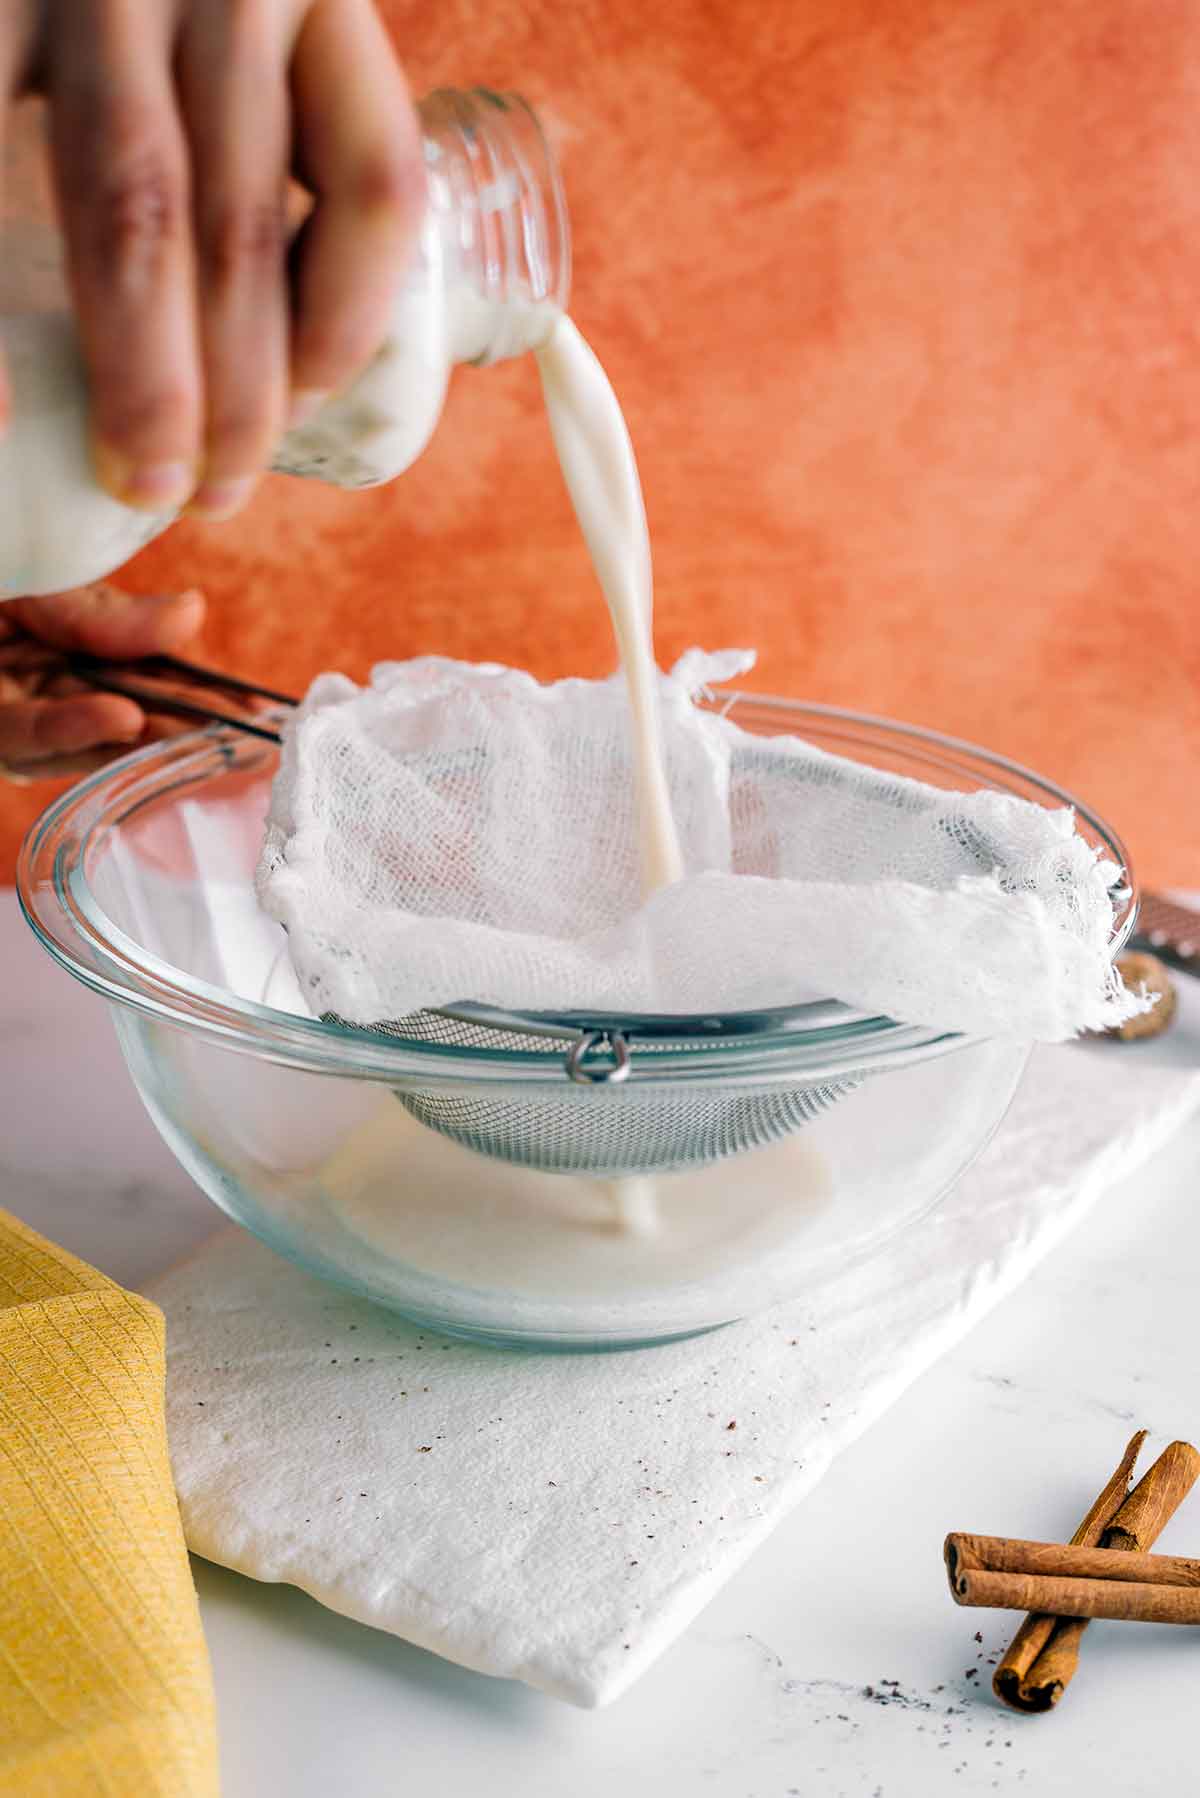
x=140 y=882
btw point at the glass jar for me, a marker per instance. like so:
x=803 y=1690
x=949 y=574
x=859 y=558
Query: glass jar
x=488 y=276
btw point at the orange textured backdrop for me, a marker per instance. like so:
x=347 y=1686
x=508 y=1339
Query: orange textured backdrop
x=903 y=303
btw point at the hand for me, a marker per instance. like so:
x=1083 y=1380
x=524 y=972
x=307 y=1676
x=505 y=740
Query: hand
x=174 y=127
x=52 y=726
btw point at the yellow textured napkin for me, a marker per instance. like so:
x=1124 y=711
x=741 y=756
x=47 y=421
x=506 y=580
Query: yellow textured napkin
x=104 y=1676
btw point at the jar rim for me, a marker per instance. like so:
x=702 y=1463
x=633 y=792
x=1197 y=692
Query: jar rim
x=511 y=195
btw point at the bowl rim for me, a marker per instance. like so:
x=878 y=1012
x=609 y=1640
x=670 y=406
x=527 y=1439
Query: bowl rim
x=58 y=902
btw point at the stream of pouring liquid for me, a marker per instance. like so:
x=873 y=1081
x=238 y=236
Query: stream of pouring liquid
x=598 y=465
x=597 y=461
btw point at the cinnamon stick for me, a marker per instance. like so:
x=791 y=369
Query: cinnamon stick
x=1054 y=1595
x=1014 y=1681
x=1044 y=1653
x=1155 y=1499
x=967 y=1555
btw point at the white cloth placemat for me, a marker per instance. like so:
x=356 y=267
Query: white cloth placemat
x=561 y=1519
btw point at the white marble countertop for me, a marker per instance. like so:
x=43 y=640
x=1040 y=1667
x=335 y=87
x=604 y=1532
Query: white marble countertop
x=783 y=1688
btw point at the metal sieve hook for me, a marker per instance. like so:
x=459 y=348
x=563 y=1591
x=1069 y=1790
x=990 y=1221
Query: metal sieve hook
x=610 y=1075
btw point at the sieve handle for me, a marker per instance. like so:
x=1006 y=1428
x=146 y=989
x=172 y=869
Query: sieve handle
x=164 y=683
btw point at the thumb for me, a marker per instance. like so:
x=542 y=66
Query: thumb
x=102 y=621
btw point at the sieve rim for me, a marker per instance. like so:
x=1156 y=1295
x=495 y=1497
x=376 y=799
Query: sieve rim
x=60 y=904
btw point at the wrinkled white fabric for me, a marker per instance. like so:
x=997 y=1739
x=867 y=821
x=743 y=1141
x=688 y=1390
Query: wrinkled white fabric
x=455 y=831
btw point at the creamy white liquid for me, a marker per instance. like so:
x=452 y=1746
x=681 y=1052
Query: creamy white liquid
x=599 y=467
x=405 y=1192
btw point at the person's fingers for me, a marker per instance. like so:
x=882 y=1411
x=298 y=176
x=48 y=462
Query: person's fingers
x=34 y=730
x=102 y=621
x=358 y=149
x=22 y=656
x=61 y=767
x=156 y=726
x=159 y=727
x=121 y=171
x=231 y=71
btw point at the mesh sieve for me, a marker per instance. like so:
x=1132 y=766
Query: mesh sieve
x=604 y=1109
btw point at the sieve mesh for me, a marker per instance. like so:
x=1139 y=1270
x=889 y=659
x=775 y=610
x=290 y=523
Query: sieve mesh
x=600 y=1127
x=608 y=1133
